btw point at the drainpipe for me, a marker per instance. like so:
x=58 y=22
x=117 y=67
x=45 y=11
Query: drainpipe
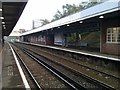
x=100 y=27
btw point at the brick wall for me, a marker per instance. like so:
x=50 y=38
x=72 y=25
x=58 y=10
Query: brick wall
x=109 y=48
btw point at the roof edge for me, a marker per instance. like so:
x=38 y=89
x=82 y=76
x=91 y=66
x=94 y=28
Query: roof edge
x=14 y=0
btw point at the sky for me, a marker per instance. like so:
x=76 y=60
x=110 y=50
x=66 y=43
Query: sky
x=41 y=9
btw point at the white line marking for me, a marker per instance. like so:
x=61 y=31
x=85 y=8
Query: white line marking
x=20 y=70
x=10 y=71
x=79 y=52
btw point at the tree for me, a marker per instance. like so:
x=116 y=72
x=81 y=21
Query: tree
x=57 y=16
x=67 y=10
x=70 y=9
x=39 y=22
x=44 y=21
x=90 y=4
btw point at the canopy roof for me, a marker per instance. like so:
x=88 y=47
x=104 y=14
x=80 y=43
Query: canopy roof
x=11 y=11
x=107 y=7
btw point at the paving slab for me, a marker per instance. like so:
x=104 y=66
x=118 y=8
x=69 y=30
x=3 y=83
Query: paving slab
x=0 y=69
x=11 y=78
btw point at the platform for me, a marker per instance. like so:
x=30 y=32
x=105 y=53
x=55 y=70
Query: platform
x=83 y=52
x=0 y=68
x=11 y=78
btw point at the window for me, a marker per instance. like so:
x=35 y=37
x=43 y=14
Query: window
x=113 y=35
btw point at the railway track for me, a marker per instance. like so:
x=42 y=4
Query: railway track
x=67 y=81
x=103 y=73
x=80 y=64
x=29 y=72
x=83 y=74
x=79 y=61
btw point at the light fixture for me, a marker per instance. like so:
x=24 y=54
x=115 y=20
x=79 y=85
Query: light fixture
x=1 y=17
x=101 y=16
x=4 y=27
x=0 y=10
x=3 y=22
x=81 y=22
x=68 y=25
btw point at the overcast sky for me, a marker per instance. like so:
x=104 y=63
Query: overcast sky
x=41 y=9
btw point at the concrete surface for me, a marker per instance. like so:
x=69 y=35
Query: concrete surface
x=11 y=79
x=1 y=70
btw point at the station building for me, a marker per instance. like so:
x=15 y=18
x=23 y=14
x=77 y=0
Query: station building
x=103 y=17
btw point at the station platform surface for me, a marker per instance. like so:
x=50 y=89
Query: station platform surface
x=84 y=52
x=0 y=68
x=11 y=79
